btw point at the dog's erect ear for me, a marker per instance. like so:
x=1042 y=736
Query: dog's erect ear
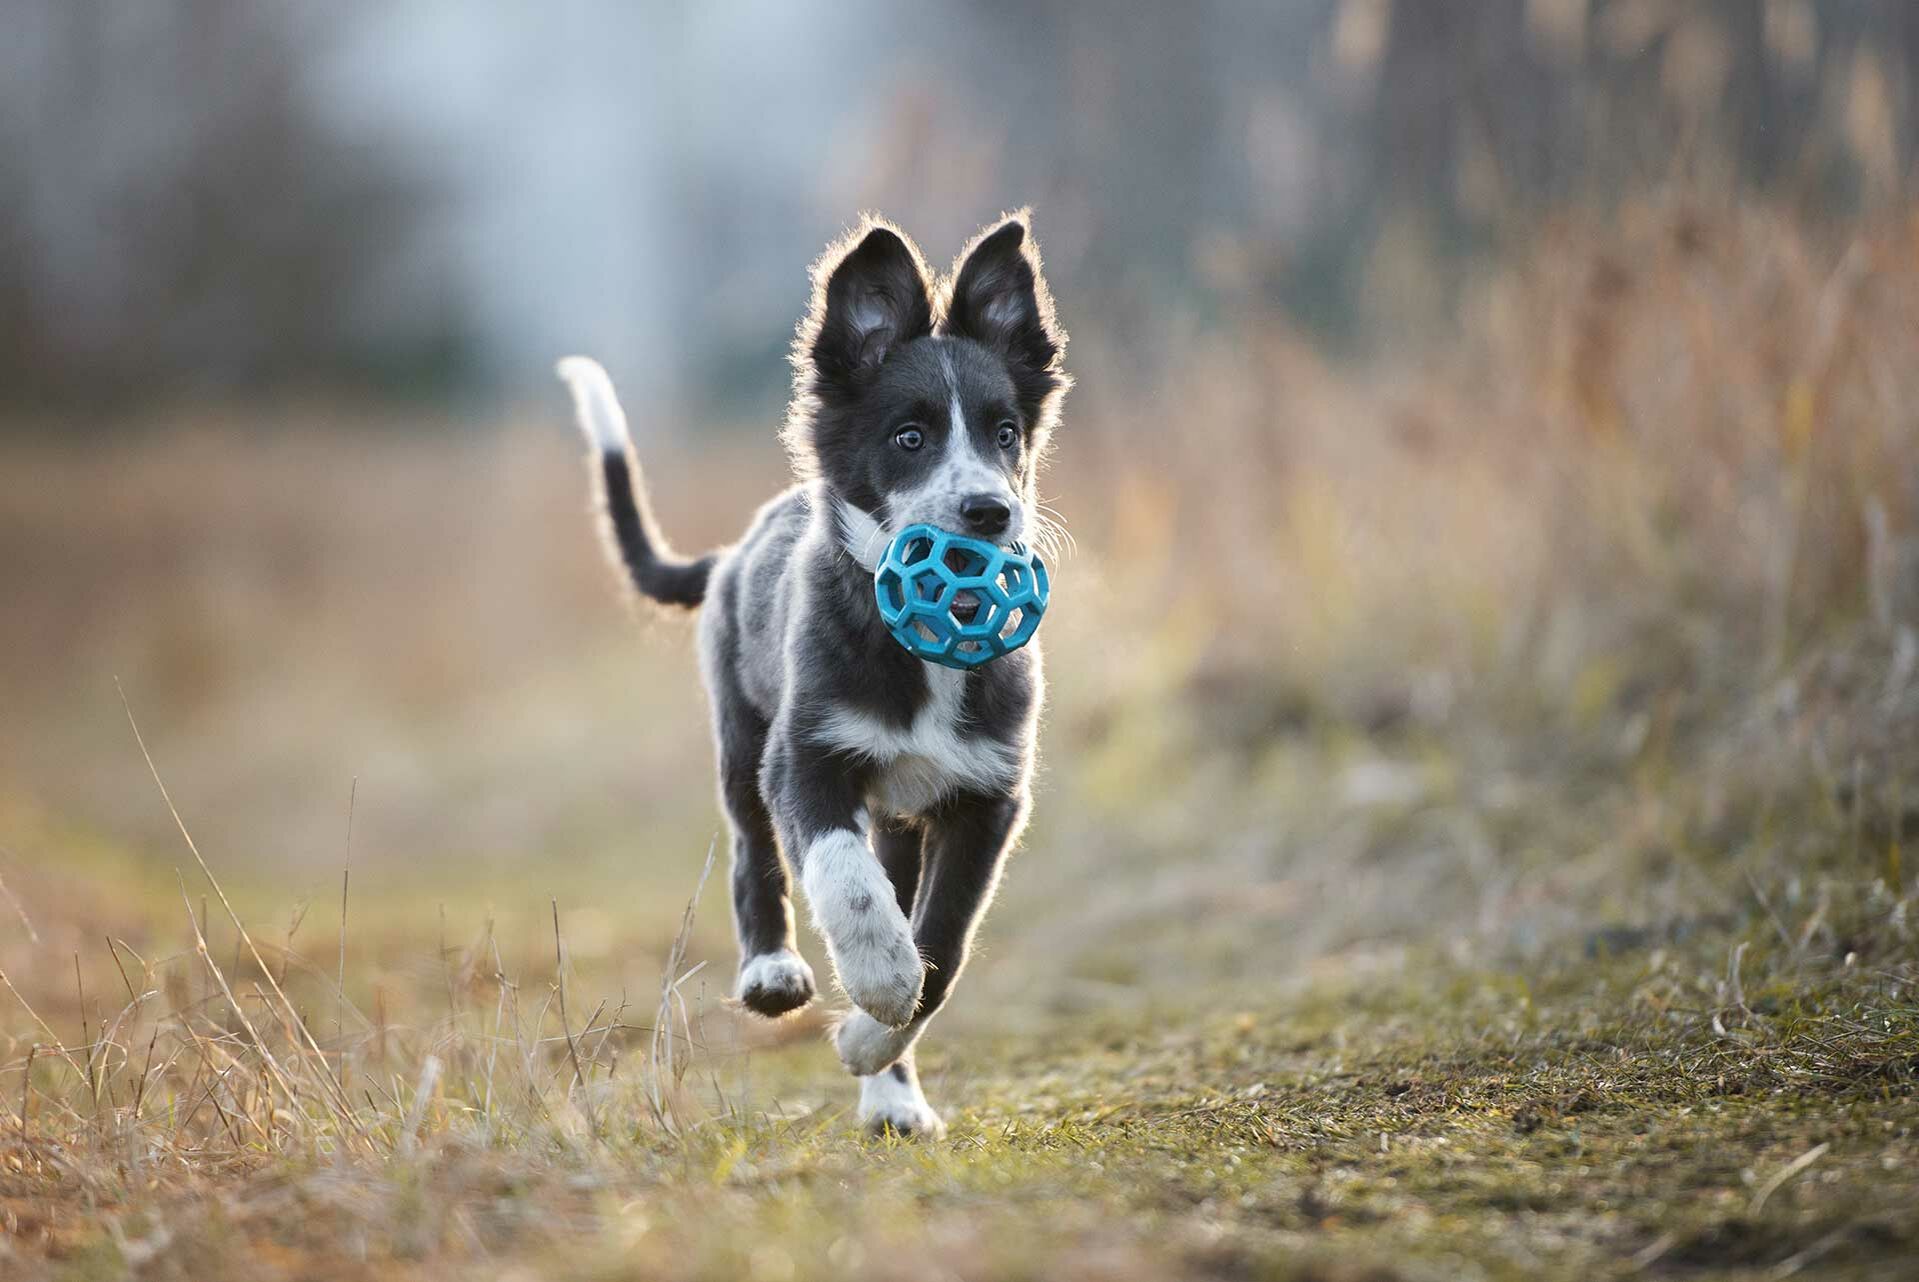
x=1001 y=300
x=867 y=300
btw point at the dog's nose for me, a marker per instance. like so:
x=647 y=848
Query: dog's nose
x=985 y=513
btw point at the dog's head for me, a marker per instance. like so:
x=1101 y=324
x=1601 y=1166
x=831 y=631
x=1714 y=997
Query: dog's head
x=928 y=401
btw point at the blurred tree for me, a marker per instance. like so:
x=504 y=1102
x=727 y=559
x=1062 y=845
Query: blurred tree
x=1474 y=117
x=1548 y=100
x=194 y=197
x=181 y=217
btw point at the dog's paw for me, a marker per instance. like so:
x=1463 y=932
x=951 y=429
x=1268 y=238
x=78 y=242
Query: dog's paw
x=774 y=983
x=909 y=1119
x=855 y=908
x=892 y=1106
x=883 y=975
x=867 y=1046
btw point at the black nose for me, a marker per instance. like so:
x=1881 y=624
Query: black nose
x=985 y=514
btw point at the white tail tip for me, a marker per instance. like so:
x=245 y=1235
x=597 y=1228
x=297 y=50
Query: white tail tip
x=594 y=403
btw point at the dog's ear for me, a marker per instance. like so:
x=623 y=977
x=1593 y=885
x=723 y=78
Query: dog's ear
x=1000 y=299
x=870 y=294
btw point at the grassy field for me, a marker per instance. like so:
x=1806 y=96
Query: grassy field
x=1472 y=840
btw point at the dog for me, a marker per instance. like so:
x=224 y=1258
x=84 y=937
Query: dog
x=894 y=788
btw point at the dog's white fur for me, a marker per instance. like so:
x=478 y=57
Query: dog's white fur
x=594 y=403
x=780 y=971
x=885 y=1102
x=929 y=759
x=857 y=913
x=866 y=1046
x=863 y=537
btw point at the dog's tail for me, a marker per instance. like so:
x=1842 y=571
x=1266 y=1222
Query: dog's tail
x=656 y=571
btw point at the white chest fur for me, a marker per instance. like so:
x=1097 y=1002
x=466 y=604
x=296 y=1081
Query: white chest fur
x=928 y=760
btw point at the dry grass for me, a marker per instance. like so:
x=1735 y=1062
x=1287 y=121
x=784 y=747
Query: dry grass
x=1472 y=843
x=178 y=1083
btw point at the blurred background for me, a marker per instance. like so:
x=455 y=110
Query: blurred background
x=1492 y=464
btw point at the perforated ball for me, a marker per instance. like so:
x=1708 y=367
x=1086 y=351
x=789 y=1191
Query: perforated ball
x=959 y=601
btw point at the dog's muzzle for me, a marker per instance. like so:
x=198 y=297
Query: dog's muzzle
x=959 y=601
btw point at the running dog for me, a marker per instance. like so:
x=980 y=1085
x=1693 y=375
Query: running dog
x=893 y=787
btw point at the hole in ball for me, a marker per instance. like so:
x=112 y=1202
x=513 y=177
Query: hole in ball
x=964 y=561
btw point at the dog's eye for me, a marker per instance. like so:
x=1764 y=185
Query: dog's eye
x=1008 y=435
x=909 y=438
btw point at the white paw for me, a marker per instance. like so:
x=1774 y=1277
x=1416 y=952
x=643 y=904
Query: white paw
x=892 y=1101
x=867 y=1046
x=883 y=976
x=774 y=983
x=872 y=946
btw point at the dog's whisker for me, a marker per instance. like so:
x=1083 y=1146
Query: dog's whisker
x=1050 y=534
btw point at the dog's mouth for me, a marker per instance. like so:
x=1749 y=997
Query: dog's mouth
x=965 y=603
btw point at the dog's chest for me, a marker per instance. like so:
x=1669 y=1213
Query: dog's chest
x=938 y=754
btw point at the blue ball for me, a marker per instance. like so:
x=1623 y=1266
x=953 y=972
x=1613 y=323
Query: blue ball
x=928 y=579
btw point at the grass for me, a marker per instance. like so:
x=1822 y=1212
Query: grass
x=1473 y=836
x=1603 y=1113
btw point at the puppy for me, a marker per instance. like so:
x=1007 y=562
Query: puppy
x=893 y=787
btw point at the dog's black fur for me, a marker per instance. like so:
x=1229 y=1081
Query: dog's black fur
x=893 y=787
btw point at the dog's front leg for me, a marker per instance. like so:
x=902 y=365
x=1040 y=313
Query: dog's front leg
x=818 y=800
x=966 y=845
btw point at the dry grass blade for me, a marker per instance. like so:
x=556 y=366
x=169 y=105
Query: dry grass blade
x=566 y=1027
x=115 y=954
x=332 y=1092
x=53 y=1038
x=297 y=1106
x=1785 y=1173
x=346 y=877
x=665 y=1068
x=26 y=1090
x=430 y=1070
x=19 y=909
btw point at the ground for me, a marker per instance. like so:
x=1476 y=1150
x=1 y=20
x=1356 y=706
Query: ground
x=1707 y=1101
x=1570 y=1123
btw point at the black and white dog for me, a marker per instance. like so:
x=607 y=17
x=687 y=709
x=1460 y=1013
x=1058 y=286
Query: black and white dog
x=894 y=787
